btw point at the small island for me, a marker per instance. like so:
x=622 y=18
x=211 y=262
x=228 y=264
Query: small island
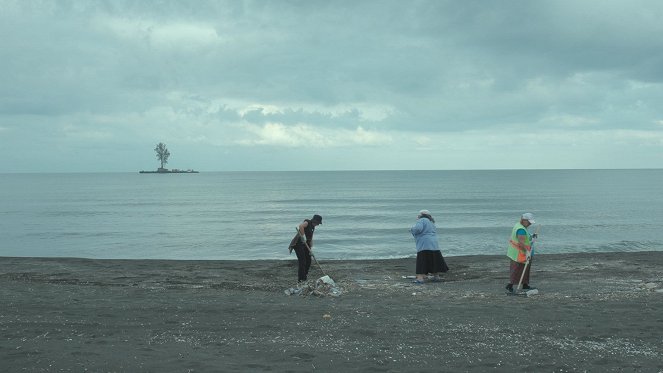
x=167 y=171
x=162 y=155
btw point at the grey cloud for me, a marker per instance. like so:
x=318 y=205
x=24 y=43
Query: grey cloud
x=198 y=70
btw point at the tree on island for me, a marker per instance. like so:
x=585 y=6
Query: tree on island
x=162 y=153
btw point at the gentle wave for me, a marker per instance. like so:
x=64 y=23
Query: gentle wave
x=366 y=215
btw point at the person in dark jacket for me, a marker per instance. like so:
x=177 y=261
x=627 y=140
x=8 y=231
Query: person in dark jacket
x=304 y=245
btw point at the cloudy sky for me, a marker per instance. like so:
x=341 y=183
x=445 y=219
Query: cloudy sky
x=330 y=85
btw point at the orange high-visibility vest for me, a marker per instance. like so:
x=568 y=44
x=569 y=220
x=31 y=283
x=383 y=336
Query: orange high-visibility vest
x=514 y=252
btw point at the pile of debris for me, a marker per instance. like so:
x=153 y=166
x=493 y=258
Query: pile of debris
x=324 y=286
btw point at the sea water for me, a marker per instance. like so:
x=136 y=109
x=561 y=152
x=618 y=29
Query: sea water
x=366 y=214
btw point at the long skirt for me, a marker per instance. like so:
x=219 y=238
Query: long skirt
x=516 y=270
x=430 y=261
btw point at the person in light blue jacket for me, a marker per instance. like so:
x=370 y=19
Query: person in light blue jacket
x=429 y=256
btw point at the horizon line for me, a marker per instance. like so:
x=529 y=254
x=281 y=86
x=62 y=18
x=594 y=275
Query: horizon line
x=346 y=170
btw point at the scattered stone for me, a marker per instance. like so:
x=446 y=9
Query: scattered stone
x=293 y=291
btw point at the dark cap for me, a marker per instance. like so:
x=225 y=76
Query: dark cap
x=317 y=219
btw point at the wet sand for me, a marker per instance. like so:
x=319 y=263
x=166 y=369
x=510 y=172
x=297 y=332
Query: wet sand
x=594 y=312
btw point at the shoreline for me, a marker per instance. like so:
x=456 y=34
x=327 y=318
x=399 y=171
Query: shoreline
x=291 y=257
x=595 y=312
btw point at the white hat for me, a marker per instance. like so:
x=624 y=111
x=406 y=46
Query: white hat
x=424 y=212
x=529 y=217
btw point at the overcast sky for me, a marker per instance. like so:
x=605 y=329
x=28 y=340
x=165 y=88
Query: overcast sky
x=330 y=85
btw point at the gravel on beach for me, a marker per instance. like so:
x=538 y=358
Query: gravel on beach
x=598 y=312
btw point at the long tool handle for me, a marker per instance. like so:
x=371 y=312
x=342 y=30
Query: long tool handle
x=520 y=283
x=311 y=252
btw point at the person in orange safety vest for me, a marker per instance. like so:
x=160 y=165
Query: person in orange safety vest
x=520 y=251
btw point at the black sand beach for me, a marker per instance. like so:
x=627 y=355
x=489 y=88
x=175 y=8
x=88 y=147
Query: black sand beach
x=594 y=312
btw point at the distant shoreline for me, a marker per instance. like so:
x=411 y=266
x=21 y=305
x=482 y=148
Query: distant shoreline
x=167 y=171
x=51 y=172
